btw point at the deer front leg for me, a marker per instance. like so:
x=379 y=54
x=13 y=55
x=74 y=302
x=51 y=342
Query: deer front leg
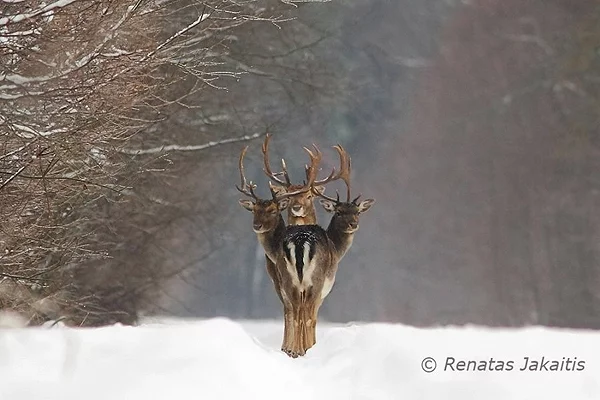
x=288 y=330
x=313 y=303
x=288 y=323
x=314 y=312
x=297 y=333
x=309 y=321
x=303 y=327
x=292 y=341
x=305 y=321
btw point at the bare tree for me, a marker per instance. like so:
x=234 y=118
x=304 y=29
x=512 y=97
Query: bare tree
x=84 y=86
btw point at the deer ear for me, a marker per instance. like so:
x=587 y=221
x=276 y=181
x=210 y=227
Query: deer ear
x=283 y=204
x=247 y=204
x=277 y=189
x=328 y=205
x=364 y=205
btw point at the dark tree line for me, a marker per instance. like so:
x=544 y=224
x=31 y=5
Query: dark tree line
x=101 y=102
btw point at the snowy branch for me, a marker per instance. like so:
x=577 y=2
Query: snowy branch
x=176 y=147
x=24 y=16
x=191 y=26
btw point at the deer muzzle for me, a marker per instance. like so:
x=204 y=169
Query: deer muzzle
x=297 y=210
x=352 y=227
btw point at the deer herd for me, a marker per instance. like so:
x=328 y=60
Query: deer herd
x=301 y=257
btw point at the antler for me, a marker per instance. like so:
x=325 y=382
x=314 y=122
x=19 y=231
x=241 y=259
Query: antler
x=247 y=187
x=311 y=174
x=343 y=174
x=285 y=195
x=313 y=169
x=323 y=195
x=267 y=166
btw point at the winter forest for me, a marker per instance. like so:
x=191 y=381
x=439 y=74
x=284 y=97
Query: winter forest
x=475 y=125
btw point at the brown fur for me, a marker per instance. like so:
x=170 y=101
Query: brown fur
x=304 y=305
x=301 y=210
x=269 y=227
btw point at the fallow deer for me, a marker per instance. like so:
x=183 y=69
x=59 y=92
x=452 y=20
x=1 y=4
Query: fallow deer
x=302 y=260
x=269 y=226
x=301 y=209
x=310 y=260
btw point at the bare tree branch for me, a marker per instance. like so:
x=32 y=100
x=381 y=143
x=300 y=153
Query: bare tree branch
x=198 y=147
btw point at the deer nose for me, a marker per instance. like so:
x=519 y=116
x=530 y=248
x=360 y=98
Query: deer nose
x=257 y=227
x=353 y=225
x=296 y=207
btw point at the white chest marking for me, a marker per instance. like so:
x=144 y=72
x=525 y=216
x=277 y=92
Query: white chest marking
x=290 y=265
x=309 y=267
x=307 y=271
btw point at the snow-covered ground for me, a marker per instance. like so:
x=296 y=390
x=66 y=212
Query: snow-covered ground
x=223 y=359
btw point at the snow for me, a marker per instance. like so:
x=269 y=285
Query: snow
x=42 y=10
x=224 y=359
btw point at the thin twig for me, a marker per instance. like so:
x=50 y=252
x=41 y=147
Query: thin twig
x=177 y=147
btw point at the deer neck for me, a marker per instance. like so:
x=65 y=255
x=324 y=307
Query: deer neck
x=270 y=240
x=341 y=240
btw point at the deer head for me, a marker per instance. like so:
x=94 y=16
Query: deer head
x=266 y=212
x=345 y=213
x=301 y=208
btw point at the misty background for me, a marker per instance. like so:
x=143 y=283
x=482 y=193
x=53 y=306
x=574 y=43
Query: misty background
x=474 y=124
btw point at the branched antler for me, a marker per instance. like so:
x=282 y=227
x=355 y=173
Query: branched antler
x=313 y=169
x=246 y=188
x=343 y=174
x=267 y=165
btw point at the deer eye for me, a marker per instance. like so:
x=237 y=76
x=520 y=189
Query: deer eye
x=273 y=212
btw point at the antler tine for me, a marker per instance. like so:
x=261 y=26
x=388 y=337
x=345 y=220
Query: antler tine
x=267 y=165
x=247 y=188
x=285 y=173
x=311 y=173
x=323 y=195
x=313 y=169
x=345 y=168
x=290 y=194
x=343 y=173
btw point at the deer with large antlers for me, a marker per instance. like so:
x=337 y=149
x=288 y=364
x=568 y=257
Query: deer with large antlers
x=302 y=260
x=301 y=209
x=269 y=226
x=311 y=257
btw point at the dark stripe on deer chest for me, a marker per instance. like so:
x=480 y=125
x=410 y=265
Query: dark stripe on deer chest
x=297 y=239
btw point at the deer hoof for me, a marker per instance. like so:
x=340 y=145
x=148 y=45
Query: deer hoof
x=289 y=352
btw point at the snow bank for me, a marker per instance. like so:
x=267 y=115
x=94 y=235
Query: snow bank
x=222 y=359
